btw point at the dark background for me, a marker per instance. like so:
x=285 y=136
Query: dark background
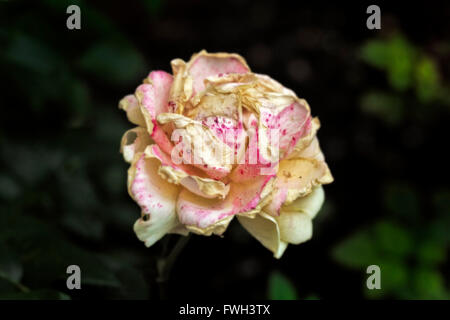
x=382 y=97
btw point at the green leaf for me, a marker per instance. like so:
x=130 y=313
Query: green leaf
x=429 y=284
x=427 y=79
x=375 y=53
x=357 y=251
x=395 y=56
x=280 y=288
x=394 y=279
x=393 y=239
x=431 y=252
x=401 y=62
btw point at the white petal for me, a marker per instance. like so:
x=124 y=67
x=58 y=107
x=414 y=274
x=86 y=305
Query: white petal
x=265 y=229
x=295 y=220
x=134 y=141
x=131 y=106
x=155 y=196
x=202 y=215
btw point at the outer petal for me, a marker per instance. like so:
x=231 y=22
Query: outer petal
x=312 y=151
x=295 y=220
x=155 y=196
x=283 y=121
x=306 y=141
x=187 y=176
x=265 y=229
x=131 y=106
x=296 y=178
x=134 y=141
x=153 y=99
x=294 y=225
x=292 y=122
x=206 y=216
x=203 y=65
x=309 y=205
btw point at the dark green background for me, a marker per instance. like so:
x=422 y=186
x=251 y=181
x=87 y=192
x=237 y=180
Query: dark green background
x=382 y=96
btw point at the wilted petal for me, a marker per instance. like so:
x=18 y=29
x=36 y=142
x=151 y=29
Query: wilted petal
x=265 y=229
x=295 y=227
x=131 y=106
x=187 y=176
x=208 y=152
x=296 y=178
x=309 y=205
x=254 y=165
x=295 y=220
x=203 y=216
x=203 y=65
x=292 y=123
x=153 y=99
x=231 y=133
x=155 y=196
x=181 y=90
x=212 y=103
x=134 y=141
x=312 y=151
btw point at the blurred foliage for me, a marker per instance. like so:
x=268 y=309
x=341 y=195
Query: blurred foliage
x=63 y=182
x=280 y=288
x=395 y=56
x=405 y=258
x=410 y=245
x=404 y=248
x=409 y=71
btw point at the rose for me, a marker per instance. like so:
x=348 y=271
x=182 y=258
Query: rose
x=208 y=100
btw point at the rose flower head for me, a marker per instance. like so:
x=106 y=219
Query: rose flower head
x=214 y=141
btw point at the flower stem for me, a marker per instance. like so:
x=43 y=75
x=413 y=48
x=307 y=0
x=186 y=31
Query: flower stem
x=165 y=265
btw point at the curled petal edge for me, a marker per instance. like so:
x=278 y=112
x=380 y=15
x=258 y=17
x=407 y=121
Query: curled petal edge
x=155 y=196
x=264 y=228
x=134 y=141
x=205 y=187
